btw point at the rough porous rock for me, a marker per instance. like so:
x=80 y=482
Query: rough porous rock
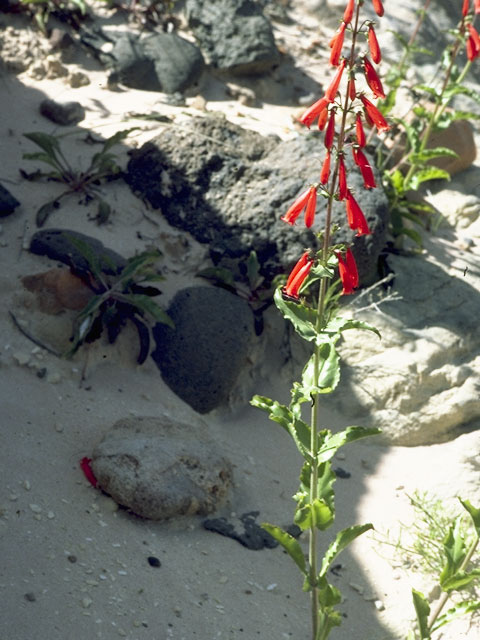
x=57 y=244
x=203 y=356
x=229 y=187
x=234 y=35
x=421 y=382
x=159 y=62
x=8 y=203
x=161 y=468
x=63 y=113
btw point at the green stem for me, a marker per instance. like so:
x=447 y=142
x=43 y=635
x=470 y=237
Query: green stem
x=317 y=633
x=446 y=594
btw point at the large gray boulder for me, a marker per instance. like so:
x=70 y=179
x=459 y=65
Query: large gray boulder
x=161 y=468
x=202 y=358
x=234 y=35
x=229 y=187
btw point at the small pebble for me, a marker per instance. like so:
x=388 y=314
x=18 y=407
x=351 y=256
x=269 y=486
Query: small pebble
x=87 y=602
x=30 y=596
x=26 y=485
x=379 y=606
x=223 y=579
x=357 y=588
x=58 y=427
x=153 y=561
x=78 y=79
x=71 y=558
x=21 y=357
x=54 y=377
x=36 y=508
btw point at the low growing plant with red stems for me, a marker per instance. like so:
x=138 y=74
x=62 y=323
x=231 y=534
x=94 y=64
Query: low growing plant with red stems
x=342 y=113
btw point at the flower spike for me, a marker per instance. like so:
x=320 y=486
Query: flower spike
x=372 y=78
x=347 y=269
x=355 y=216
x=374 y=114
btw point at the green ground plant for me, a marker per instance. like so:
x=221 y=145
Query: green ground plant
x=103 y=167
x=120 y=296
x=408 y=160
x=71 y=11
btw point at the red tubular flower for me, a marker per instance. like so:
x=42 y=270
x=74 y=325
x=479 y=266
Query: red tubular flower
x=373 y=45
x=330 y=132
x=314 y=111
x=299 y=204
x=352 y=92
x=332 y=90
x=355 y=217
x=348 y=272
x=373 y=80
x=378 y=7
x=348 y=14
x=298 y=275
x=336 y=44
x=474 y=34
x=322 y=119
x=365 y=168
x=325 y=172
x=342 y=179
x=472 y=49
x=374 y=114
x=87 y=470
x=311 y=207
x=466 y=7
x=476 y=5
x=359 y=131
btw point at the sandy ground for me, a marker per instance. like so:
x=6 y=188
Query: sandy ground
x=75 y=566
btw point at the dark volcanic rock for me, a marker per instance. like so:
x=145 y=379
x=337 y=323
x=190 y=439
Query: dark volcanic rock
x=56 y=244
x=161 y=468
x=234 y=35
x=229 y=187
x=63 y=113
x=160 y=62
x=8 y=203
x=202 y=357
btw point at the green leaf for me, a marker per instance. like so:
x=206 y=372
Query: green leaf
x=474 y=514
x=48 y=143
x=411 y=233
x=412 y=135
x=455 y=552
x=342 y=540
x=338 y=324
x=314 y=514
x=459 y=89
x=460 y=580
x=47 y=159
x=388 y=103
x=103 y=212
x=253 y=271
x=426 y=88
x=218 y=275
x=328 y=371
x=397 y=181
x=460 y=609
x=422 y=609
x=303 y=318
x=424 y=175
x=294 y=425
x=87 y=252
x=149 y=306
x=136 y=265
x=44 y=211
x=328 y=596
x=289 y=543
x=116 y=138
x=428 y=154
x=332 y=443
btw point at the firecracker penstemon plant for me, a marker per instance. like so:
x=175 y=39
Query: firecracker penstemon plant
x=318 y=323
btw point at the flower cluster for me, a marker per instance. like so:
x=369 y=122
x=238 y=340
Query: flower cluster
x=324 y=111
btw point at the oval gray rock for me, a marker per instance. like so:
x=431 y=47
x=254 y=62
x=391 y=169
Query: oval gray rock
x=160 y=468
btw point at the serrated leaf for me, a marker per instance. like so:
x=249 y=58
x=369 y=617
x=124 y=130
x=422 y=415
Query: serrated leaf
x=137 y=264
x=293 y=424
x=427 y=89
x=328 y=371
x=337 y=325
x=314 y=514
x=460 y=609
x=454 y=551
x=460 y=580
x=428 y=154
x=289 y=543
x=422 y=609
x=450 y=92
x=342 y=540
x=332 y=442
x=397 y=181
x=424 y=175
x=303 y=318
